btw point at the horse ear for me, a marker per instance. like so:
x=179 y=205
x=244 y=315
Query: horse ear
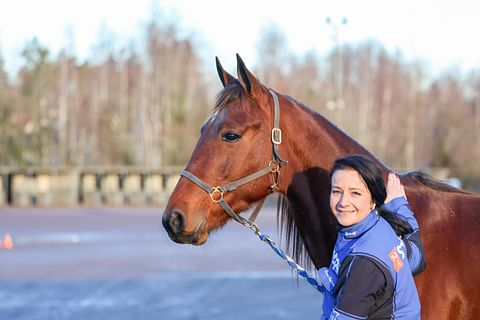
x=225 y=77
x=248 y=81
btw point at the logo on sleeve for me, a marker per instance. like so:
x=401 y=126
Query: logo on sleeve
x=394 y=255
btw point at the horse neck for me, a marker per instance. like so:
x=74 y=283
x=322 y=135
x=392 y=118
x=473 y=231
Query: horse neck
x=318 y=143
x=311 y=151
x=313 y=142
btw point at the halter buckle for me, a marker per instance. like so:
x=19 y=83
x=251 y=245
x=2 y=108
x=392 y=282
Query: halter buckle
x=276 y=136
x=214 y=191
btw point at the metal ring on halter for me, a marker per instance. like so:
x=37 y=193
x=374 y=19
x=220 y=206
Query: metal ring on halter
x=216 y=190
x=274 y=166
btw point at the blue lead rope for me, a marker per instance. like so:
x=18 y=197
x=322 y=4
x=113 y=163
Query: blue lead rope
x=295 y=266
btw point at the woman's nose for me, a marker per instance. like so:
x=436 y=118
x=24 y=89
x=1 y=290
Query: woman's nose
x=342 y=201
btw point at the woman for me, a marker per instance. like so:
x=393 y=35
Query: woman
x=378 y=247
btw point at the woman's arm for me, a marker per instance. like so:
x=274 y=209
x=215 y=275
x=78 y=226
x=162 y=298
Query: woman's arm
x=396 y=202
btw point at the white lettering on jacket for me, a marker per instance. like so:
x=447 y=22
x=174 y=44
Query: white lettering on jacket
x=335 y=262
x=401 y=250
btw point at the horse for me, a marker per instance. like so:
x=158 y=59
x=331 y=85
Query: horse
x=258 y=141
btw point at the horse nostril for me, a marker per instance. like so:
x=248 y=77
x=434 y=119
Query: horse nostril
x=174 y=221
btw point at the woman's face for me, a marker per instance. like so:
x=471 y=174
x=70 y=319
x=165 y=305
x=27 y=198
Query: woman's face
x=350 y=199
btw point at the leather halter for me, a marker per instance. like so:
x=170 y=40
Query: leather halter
x=273 y=168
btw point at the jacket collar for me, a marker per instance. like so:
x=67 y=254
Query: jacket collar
x=360 y=228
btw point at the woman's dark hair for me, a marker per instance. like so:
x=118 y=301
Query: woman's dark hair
x=372 y=176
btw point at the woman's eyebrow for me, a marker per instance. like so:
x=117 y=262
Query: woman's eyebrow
x=355 y=188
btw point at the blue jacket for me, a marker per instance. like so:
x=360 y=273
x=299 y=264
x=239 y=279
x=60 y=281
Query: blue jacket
x=370 y=275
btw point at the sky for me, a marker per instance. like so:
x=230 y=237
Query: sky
x=441 y=34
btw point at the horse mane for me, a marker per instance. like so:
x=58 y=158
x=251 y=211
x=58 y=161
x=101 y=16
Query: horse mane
x=428 y=181
x=288 y=231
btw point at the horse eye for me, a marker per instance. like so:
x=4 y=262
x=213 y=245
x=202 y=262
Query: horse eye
x=230 y=137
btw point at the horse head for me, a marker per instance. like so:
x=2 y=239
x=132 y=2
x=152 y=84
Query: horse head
x=234 y=142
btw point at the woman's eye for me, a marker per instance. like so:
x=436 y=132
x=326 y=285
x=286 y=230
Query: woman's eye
x=356 y=194
x=230 y=137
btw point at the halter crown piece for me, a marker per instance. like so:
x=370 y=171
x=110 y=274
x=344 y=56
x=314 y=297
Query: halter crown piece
x=273 y=167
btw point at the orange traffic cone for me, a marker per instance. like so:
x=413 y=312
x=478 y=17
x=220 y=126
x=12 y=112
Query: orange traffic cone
x=7 y=242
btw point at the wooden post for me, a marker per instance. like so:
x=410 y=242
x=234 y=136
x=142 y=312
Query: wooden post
x=110 y=189
x=43 y=189
x=90 y=193
x=132 y=189
x=153 y=189
x=21 y=190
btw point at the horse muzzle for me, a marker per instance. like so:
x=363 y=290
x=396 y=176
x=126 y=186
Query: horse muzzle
x=174 y=223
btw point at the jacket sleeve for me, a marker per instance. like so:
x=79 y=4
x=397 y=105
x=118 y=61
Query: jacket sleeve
x=362 y=287
x=400 y=206
x=413 y=242
x=415 y=255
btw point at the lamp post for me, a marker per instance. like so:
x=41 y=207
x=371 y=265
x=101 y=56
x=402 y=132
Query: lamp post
x=337 y=103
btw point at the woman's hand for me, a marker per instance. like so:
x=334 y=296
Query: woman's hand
x=394 y=187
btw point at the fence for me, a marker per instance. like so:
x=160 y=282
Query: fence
x=92 y=186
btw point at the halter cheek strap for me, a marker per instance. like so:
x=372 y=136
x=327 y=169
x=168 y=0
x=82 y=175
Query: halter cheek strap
x=276 y=131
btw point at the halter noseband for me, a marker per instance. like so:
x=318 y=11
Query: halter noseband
x=273 y=167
